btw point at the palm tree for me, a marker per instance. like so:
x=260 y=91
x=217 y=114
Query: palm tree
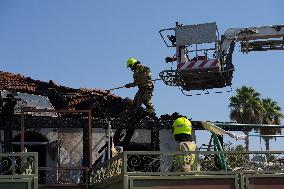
x=246 y=107
x=272 y=116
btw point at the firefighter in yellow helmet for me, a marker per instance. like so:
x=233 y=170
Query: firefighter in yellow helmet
x=182 y=130
x=142 y=79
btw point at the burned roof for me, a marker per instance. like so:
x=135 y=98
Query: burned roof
x=99 y=101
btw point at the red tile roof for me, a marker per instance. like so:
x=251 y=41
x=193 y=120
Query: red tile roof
x=9 y=81
x=20 y=83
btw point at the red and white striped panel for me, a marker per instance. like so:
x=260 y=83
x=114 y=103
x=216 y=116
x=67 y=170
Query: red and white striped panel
x=200 y=64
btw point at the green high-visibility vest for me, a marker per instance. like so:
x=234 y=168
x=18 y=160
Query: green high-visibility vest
x=186 y=159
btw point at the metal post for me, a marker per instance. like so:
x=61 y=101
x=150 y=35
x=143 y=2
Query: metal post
x=22 y=130
x=90 y=137
x=108 y=140
x=58 y=158
x=85 y=148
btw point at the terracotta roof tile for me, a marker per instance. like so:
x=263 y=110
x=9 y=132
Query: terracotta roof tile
x=10 y=81
x=17 y=82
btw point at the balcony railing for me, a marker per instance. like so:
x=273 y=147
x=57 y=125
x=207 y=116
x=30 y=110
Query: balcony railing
x=18 y=165
x=145 y=163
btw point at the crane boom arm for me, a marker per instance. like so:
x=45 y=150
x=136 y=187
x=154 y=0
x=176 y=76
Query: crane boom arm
x=252 y=33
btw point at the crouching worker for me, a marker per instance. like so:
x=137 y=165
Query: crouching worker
x=182 y=130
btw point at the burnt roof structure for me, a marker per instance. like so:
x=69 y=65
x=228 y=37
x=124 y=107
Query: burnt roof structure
x=102 y=103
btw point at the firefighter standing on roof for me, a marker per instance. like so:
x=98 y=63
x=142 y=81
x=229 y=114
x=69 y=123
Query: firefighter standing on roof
x=142 y=79
x=182 y=130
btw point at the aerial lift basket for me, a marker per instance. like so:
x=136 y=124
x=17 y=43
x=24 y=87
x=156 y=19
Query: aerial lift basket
x=197 y=68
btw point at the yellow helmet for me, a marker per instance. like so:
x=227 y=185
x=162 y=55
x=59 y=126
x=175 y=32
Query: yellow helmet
x=131 y=62
x=182 y=126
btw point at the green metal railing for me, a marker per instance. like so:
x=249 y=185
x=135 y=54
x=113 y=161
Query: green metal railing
x=112 y=167
x=19 y=170
x=18 y=165
x=145 y=163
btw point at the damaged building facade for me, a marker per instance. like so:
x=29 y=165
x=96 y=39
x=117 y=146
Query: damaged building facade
x=61 y=144
x=73 y=132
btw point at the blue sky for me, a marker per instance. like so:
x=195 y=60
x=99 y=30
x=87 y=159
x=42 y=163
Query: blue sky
x=86 y=44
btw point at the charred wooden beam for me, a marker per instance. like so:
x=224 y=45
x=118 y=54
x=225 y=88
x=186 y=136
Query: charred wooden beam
x=117 y=123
